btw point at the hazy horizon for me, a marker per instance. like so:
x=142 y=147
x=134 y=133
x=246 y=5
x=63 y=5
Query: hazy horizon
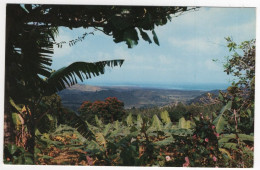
x=173 y=86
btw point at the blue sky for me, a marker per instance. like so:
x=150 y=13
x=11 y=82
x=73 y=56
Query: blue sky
x=187 y=46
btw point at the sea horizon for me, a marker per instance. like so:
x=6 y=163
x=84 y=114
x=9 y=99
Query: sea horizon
x=168 y=86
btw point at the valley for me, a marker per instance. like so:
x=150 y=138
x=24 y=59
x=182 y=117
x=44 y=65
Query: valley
x=132 y=96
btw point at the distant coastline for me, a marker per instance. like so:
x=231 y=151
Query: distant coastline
x=142 y=95
x=173 y=86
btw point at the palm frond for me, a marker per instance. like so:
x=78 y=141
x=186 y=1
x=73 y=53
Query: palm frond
x=68 y=76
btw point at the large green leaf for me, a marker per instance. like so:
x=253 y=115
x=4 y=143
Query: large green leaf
x=165 y=117
x=168 y=126
x=131 y=37
x=98 y=121
x=46 y=157
x=28 y=160
x=166 y=141
x=220 y=121
x=181 y=132
x=12 y=148
x=45 y=138
x=116 y=125
x=226 y=138
x=18 y=108
x=94 y=147
x=101 y=139
x=242 y=137
x=156 y=123
x=183 y=124
x=129 y=120
x=230 y=145
x=224 y=151
x=155 y=38
x=245 y=137
x=139 y=121
x=67 y=76
x=145 y=36
x=248 y=151
x=106 y=129
x=188 y=124
x=17 y=120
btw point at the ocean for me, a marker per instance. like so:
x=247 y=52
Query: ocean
x=175 y=86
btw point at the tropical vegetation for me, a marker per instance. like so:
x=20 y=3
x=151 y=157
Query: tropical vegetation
x=39 y=130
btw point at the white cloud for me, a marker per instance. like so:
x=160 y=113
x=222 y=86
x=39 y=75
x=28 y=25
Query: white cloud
x=194 y=46
x=211 y=23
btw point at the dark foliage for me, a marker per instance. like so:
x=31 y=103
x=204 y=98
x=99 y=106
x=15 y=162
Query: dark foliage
x=109 y=110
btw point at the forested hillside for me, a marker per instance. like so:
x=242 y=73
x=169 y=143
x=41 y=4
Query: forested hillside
x=132 y=96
